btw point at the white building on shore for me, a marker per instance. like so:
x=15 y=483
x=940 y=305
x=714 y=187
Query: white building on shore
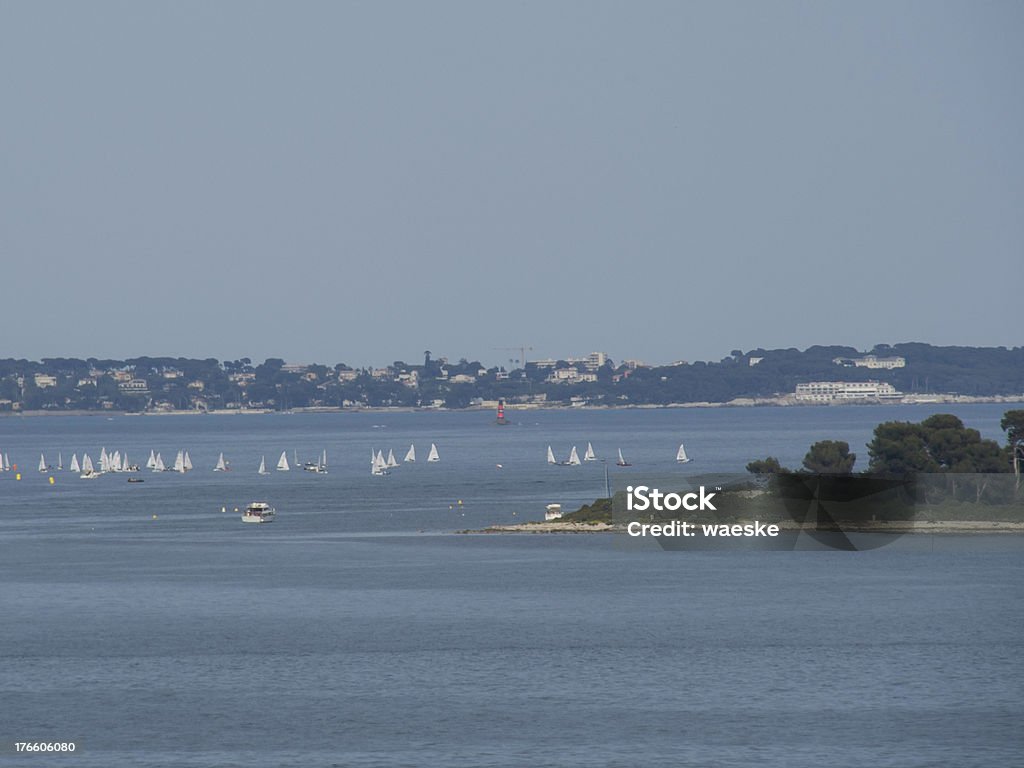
x=833 y=391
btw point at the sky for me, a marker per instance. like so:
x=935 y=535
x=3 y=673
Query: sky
x=362 y=181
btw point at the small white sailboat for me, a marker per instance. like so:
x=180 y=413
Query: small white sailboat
x=7 y=462
x=60 y=462
x=187 y=462
x=75 y=467
x=589 y=454
x=681 y=456
x=87 y=469
x=263 y=466
x=379 y=465
x=179 y=462
x=158 y=464
x=432 y=456
x=391 y=459
x=622 y=462
x=222 y=465
x=551 y=456
x=282 y=463
x=410 y=455
x=42 y=463
x=151 y=462
x=574 y=458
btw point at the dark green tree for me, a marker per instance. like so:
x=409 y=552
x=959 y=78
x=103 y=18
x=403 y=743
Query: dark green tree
x=766 y=466
x=830 y=457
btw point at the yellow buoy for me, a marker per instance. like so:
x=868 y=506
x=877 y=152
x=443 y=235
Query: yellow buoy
x=18 y=476
x=460 y=502
x=52 y=481
x=154 y=517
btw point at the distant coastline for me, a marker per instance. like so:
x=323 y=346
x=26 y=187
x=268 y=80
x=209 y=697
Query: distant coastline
x=512 y=409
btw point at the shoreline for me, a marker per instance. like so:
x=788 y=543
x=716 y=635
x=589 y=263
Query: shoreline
x=513 y=408
x=942 y=527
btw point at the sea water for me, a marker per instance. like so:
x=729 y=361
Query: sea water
x=357 y=629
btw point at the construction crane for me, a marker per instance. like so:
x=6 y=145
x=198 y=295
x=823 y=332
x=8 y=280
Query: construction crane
x=521 y=349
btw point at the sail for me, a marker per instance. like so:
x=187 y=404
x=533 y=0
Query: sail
x=188 y=462
x=115 y=462
x=391 y=458
x=263 y=466
x=379 y=464
x=589 y=454
x=104 y=460
x=432 y=456
x=323 y=460
x=621 y=460
x=74 y=463
x=221 y=466
x=42 y=463
x=86 y=465
x=7 y=462
x=179 y=462
x=124 y=463
x=282 y=463
x=151 y=463
x=681 y=455
x=60 y=461
x=551 y=456
x=574 y=458
x=410 y=455
x=158 y=465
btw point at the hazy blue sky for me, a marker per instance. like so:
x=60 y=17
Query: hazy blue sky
x=362 y=181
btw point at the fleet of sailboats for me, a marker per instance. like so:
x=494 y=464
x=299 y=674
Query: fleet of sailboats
x=381 y=463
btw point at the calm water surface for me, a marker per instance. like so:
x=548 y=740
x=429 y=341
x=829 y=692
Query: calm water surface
x=357 y=630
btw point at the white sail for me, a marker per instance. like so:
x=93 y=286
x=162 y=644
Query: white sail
x=125 y=466
x=104 y=460
x=151 y=463
x=221 y=466
x=179 y=462
x=681 y=456
x=282 y=463
x=323 y=460
x=589 y=454
x=74 y=463
x=379 y=465
x=42 y=463
x=87 y=468
x=622 y=461
x=1 y=461
x=7 y=462
x=263 y=466
x=574 y=458
x=410 y=455
x=187 y=462
x=115 y=462
x=391 y=459
x=60 y=461
x=551 y=456
x=432 y=456
x=158 y=465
